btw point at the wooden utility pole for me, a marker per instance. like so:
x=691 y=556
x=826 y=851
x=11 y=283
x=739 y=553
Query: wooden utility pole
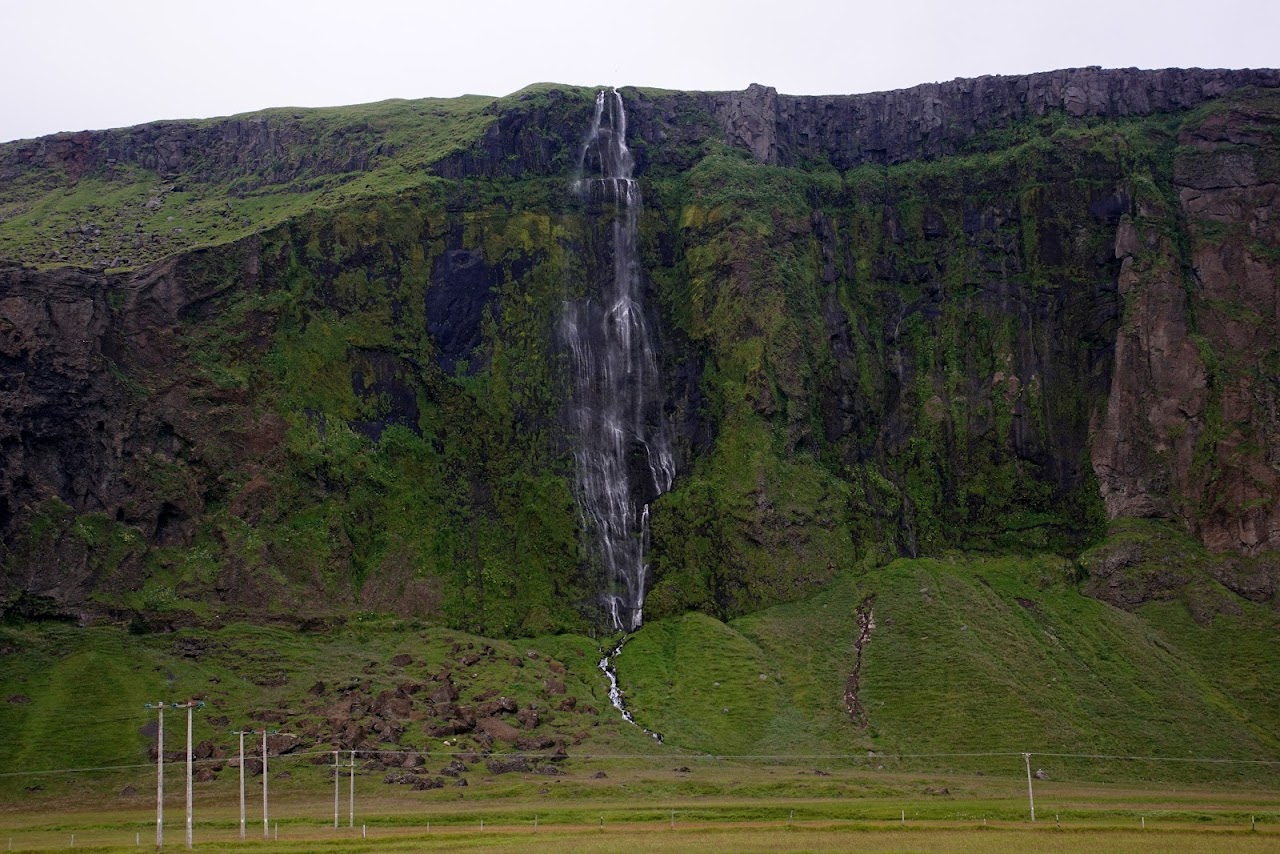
x=265 y=827
x=190 y=706
x=159 y=776
x=242 y=733
x=1031 y=794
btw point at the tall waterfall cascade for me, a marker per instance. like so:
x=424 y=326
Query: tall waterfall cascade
x=622 y=448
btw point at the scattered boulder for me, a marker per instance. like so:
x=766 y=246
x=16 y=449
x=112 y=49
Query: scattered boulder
x=350 y=736
x=498 y=729
x=528 y=717
x=446 y=693
x=423 y=783
x=205 y=775
x=931 y=790
x=534 y=742
x=568 y=704
x=548 y=770
x=599 y=775
x=401 y=660
x=502 y=705
x=316 y=690
x=553 y=686
x=507 y=764
x=128 y=792
x=449 y=727
x=1042 y=774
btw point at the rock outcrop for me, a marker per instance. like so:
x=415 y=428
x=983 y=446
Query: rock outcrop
x=937 y=119
x=1192 y=426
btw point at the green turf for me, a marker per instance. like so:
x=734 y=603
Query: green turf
x=127 y=213
x=970 y=655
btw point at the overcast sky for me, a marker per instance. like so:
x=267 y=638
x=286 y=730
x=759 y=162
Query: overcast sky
x=76 y=64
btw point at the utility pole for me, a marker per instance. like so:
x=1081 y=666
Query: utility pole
x=337 y=778
x=190 y=706
x=353 y=789
x=1031 y=794
x=159 y=776
x=242 y=733
x=265 y=828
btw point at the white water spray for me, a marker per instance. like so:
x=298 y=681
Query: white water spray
x=622 y=448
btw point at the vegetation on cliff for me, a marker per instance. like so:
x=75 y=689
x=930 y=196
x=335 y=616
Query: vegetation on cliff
x=350 y=396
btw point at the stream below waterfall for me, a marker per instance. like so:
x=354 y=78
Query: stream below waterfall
x=615 y=693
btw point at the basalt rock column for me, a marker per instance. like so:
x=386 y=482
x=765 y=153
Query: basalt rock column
x=621 y=449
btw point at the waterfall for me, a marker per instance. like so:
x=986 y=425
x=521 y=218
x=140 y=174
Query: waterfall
x=622 y=450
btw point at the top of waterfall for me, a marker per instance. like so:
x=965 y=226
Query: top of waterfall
x=605 y=145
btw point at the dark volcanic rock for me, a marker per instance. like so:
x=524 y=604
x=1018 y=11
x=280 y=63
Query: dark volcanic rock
x=934 y=119
x=507 y=764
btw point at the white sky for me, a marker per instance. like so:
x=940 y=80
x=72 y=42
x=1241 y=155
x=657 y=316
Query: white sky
x=75 y=64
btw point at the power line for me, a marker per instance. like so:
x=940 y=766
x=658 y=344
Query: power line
x=864 y=757
x=1192 y=759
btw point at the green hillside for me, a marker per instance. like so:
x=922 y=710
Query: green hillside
x=969 y=656
x=125 y=215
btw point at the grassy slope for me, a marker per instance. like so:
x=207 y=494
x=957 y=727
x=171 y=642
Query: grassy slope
x=85 y=688
x=968 y=655
x=43 y=212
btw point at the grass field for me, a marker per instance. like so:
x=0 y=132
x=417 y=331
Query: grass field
x=641 y=805
x=970 y=663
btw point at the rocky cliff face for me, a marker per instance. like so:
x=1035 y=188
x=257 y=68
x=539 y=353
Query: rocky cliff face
x=1191 y=423
x=937 y=119
x=986 y=314
x=104 y=419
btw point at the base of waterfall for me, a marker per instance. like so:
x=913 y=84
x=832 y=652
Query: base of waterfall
x=615 y=693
